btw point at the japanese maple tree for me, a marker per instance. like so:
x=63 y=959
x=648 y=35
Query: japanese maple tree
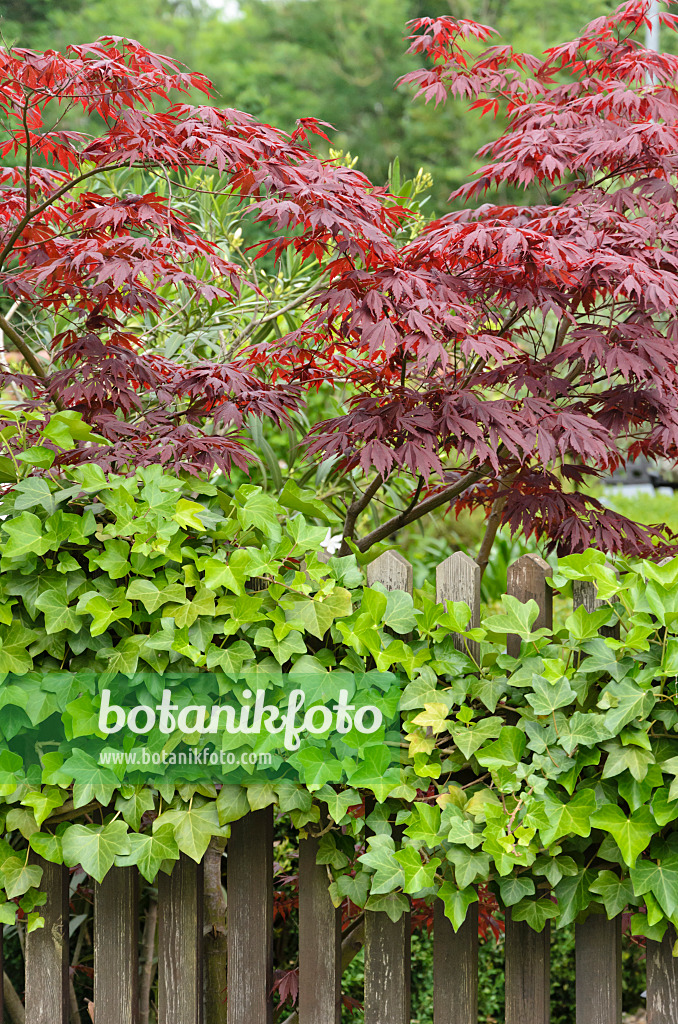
x=93 y=262
x=503 y=357
x=510 y=354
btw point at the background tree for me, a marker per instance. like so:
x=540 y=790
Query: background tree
x=284 y=59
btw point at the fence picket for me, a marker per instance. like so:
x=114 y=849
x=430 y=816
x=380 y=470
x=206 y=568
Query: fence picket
x=528 y=964
x=526 y=580
x=598 y=970
x=47 y=951
x=387 y=943
x=458 y=579
x=455 y=954
x=387 y=969
x=116 y=947
x=319 y=942
x=662 y=980
x=528 y=956
x=455 y=968
x=180 y=998
x=249 y=888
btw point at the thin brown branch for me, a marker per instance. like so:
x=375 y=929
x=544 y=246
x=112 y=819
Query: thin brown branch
x=423 y=508
x=28 y=354
x=354 y=510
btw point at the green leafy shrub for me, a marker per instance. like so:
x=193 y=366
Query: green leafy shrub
x=548 y=774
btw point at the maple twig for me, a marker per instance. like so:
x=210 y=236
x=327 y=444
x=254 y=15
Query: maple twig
x=423 y=508
x=24 y=118
x=28 y=354
x=354 y=510
x=37 y=210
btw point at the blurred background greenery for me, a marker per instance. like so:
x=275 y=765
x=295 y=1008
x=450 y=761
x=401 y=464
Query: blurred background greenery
x=337 y=60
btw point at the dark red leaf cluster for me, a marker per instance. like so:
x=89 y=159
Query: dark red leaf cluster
x=535 y=346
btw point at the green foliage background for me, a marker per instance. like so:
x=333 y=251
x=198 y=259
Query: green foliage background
x=284 y=59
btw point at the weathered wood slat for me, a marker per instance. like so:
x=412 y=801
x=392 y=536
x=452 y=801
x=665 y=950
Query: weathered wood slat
x=393 y=570
x=215 y=946
x=387 y=969
x=528 y=956
x=319 y=942
x=387 y=944
x=47 y=951
x=662 y=980
x=455 y=968
x=598 y=970
x=116 y=947
x=528 y=971
x=249 y=886
x=180 y=998
x=458 y=579
x=526 y=580
x=455 y=954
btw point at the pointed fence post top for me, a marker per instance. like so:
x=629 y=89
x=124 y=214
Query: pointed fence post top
x=526 y=580
x=458 y=579
x=392 y=570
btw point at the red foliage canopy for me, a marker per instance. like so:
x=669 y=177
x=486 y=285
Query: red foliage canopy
x=504 y=356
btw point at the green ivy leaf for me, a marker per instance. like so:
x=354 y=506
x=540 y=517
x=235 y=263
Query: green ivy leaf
x=418 y=875
x=47 y=846
x=456 y=902
x=133 y=802
x=561 y=818
x=25 y=534
x=18 y=876
x=194 y=826
x=517 y=618
x=394 y=904
x=632 y=834
x=548 y=697
x=380 y=858
x=616 y=893
x=661 y=879
x=95 y=847
x=514 y=888
x=534 y=912
x=149 y=852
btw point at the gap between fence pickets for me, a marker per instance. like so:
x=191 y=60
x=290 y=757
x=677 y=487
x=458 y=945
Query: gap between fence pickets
x=250 y=914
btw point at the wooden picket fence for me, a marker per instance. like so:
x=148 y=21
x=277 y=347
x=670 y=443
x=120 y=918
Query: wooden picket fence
x=249 y=885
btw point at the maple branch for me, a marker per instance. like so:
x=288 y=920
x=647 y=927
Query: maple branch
x=423 y=508
x=30 y=214
x=354 y=510
x=13 y=1004
x=30 y=357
